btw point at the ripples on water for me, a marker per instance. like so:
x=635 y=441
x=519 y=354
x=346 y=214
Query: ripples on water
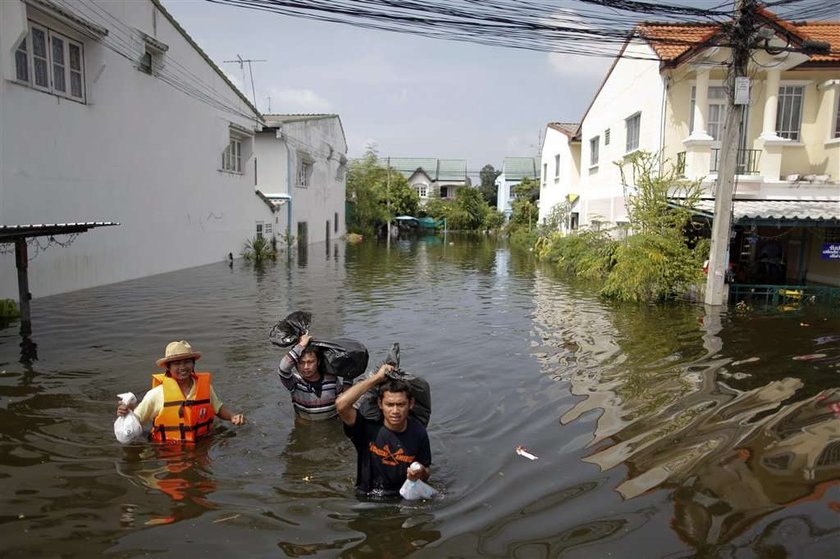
x=660 y=431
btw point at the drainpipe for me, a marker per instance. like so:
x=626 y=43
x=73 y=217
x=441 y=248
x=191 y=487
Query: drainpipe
x=281 y=136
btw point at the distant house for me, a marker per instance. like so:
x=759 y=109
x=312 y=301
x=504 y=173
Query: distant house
x=301 y=163
x=665 y=94
x=514 y=170
x=111 y=112
x=560 y=173
x=430 y=177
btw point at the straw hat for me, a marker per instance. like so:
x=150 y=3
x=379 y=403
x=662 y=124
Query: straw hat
x=176 y=351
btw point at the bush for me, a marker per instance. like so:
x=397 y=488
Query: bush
x=259 y=250
x=9 y=310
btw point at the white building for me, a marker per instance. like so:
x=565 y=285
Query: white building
x=665 y=94
x=514 y=170
x=111 y=112
x=560 y=173
x=301 y=163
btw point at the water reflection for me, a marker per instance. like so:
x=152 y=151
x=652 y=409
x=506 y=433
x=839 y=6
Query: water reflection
x=660 y=431
x=181 y=472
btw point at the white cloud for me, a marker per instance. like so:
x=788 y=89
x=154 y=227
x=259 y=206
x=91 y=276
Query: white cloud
x=574 y=65
x=290 y=101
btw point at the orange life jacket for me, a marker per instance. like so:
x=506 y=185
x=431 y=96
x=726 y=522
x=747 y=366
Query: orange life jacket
x=182 y=420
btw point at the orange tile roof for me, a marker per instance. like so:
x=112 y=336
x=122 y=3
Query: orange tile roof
x=567 y=128
x=828 y=31
x=670 y=41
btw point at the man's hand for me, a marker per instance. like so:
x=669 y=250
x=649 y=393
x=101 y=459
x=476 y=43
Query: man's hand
x=417 y=471
x=383 y=371
x=305 y=339
x=123 y=410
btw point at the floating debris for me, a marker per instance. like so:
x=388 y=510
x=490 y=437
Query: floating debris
x=749 y=360
x=227 y=518
x=808 y=357
x=522 y=451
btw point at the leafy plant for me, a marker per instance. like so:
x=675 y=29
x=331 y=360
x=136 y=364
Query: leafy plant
x=9 y=310
x=259 y=250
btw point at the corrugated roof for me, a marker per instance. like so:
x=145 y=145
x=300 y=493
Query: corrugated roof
x=785 y=210
x=452 y=169
x=275 y=119
x=517 y=168
x=8 y=233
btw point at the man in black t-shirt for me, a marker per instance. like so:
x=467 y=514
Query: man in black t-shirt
x=385 y=448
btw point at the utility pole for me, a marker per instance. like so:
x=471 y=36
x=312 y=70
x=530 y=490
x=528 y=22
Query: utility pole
x=740 y=39
x=388 y=204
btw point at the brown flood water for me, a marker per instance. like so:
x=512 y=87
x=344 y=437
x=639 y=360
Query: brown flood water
x=660 y=431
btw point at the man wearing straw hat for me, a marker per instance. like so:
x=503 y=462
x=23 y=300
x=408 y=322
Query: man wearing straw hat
x=181 y=403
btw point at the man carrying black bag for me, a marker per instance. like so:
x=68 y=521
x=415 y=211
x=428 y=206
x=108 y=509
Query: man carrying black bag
x=313 y=391
x=315 y=371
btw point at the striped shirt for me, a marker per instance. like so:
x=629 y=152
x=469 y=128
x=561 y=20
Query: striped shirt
x=311 y=400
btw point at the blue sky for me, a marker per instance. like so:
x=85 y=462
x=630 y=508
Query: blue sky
x=412 y=96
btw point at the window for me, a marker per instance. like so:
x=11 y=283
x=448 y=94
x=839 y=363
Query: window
x=259 y=229
x=607 y=137
x=545 y=173
x=444 y=192
x=789 y=114
x=837 y=119
x=593 y=151
x=716 y=114
x=232 y=155
x=304 y=170
x=633 y=124
x=422 y=190
x=335 y=222
x=557 y=166
x=51 y=62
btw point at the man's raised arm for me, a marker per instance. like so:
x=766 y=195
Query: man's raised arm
x=344 y=402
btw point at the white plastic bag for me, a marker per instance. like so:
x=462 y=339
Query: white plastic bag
x=127 y=427
x=413 y=490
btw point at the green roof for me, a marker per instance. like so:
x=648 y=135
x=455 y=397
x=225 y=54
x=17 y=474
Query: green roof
x=517 y=168
x=437 y=169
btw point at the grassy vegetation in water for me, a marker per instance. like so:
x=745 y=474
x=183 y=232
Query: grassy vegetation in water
x=659 y=260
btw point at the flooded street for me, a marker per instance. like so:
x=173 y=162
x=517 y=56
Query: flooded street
x=659 y=431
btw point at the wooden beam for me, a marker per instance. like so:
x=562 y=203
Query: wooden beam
x=22 y=264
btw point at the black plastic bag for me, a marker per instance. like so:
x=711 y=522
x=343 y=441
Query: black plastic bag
x=342 y=357
x=288 y=331
x=368 y=404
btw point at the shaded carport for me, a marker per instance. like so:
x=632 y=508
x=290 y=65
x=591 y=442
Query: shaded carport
x=19 y=236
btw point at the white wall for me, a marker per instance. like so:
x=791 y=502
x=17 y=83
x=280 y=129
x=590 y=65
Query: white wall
x=633 y=86
x=555 y=187
x=139 y=152
x=319 y=202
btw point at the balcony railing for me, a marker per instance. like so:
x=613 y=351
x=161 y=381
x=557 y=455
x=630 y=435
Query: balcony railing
x=747 y=162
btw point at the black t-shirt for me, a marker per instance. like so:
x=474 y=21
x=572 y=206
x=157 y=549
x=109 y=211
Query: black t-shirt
x=384 y=456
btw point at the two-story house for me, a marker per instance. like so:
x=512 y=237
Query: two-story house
x=111 y=112
x=301 y=167
x=560 y=174
x=666 y=93
x=431 y=177
x=514 y=171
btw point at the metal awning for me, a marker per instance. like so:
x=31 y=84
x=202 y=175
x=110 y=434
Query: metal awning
x=823 y=213
x=8 y=233
x=18 y=234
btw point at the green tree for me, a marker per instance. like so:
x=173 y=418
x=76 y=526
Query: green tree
x=377 y=193
x=524 y=210
x=467 y=212
x=488 y=176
